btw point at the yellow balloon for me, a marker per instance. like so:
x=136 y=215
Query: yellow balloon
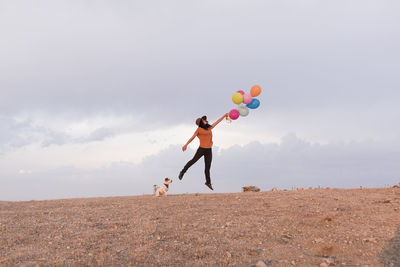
x=255 y=90
x=237 y=98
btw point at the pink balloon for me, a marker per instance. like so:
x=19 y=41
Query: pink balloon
x=240 y=91
x=247 y=98
x=234 y=114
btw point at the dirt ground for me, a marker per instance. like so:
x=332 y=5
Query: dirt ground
x=332 y=227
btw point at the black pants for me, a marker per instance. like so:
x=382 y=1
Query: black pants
x=207 y=153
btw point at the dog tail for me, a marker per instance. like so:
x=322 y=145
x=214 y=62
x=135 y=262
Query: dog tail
x=155 y=188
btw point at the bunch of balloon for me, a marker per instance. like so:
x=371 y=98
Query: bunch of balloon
x=244 y=102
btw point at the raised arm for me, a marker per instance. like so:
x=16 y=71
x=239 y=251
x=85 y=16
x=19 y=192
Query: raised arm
x=190 y=140
x=219 y=120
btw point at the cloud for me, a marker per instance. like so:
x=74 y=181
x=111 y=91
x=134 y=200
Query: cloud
x=18 y=133
x=12 y=133
x=74 y=73
x=171 y=63
x=292 y=163
x=167 y=58
x=298 y=163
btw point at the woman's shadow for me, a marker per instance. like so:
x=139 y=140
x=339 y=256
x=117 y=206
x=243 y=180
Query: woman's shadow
x=390 y=255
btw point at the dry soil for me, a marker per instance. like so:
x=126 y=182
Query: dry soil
x=336 y=227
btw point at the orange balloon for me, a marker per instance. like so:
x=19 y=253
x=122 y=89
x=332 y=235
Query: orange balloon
x=255 y=90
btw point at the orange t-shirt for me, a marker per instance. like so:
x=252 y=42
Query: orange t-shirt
x=205 y=137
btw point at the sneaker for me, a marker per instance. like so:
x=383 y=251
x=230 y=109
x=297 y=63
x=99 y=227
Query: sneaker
x=180 y=175
x=209 y=186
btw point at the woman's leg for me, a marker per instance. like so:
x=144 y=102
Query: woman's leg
x=207 y=163
x=197 y=156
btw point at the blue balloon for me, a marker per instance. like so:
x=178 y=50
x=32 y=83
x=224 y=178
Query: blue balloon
x=253 y=104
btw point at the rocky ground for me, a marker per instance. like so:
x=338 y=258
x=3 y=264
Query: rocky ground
x=313 y=227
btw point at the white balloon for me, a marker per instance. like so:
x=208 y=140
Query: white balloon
x=243 y=110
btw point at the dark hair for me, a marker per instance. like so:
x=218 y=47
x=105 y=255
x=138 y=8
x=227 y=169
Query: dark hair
x=202 y=125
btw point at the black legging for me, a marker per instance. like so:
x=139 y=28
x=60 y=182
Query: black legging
x=207 y=153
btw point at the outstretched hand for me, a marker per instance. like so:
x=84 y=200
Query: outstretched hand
x=219 y=120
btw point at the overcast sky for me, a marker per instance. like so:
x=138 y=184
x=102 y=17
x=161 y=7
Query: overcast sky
x=98 y=97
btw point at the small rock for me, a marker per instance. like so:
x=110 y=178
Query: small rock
x=250 y=188
x=274 y=189
x=330 y=262
x=254 y=252
x=318 y=240
x=386 y=201
x=261 y=264
x=324 y=264
x=228 y=255
x=293 y=263
x=371 y=240
x=286 y=238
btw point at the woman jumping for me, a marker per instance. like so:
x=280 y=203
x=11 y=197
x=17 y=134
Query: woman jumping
x=204 y=133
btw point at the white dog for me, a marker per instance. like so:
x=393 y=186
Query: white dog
x=162 y=190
